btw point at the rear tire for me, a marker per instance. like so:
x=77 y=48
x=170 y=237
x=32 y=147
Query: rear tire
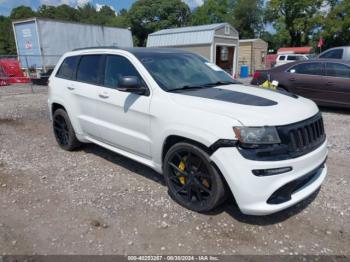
x=192 y=180
x=63 y=130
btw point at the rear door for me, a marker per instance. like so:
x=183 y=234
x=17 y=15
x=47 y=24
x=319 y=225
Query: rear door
x=124 y=117
x=306 y=79
x=85 y=89
x=337 y=89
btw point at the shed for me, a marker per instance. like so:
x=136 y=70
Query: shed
x=216 y=42
x=252 y=52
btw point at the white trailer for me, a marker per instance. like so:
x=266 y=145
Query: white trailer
x=40 y=42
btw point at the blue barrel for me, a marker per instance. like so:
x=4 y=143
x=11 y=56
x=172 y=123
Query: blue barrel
x=244 y=71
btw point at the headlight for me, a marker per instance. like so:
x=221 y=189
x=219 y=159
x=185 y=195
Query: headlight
x=257 y=135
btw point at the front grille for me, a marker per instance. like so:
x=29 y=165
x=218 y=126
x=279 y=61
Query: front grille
x=304 y=136
x=297 y=139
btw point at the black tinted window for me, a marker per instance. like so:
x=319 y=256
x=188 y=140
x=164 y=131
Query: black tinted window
x=117 y=67
x=68 y=67
x=89 y=69
x=291 y=58
x=308 y=69
x=282 y=57
x=336 y=54
x=337 y=70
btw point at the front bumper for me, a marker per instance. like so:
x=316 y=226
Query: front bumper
x=252 y=192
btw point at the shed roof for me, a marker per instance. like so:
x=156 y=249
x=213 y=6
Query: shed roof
x=192 y=35
x=295 y=50
x=251 y=40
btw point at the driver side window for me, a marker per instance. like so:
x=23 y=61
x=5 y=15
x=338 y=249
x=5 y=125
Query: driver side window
x=116 y=68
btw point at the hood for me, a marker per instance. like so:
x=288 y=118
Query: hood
x=252 y=106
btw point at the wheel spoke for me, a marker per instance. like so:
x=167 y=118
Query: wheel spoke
x=198 y=195
x=189 y=194
x=201 y=186
x=178 y=169
x=183 y=187
x=188 y=162
x=176 y=180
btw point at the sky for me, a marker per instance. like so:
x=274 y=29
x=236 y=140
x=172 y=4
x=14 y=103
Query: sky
x=7 y=5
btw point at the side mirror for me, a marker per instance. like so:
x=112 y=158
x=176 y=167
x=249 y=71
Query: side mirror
x=131 y=84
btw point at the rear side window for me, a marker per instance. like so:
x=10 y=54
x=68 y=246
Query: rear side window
x=308 y=69
x=89 y=69
x=335 y=54
x=68 y=67
x=282 y=57
x=117 y=67
x=292 y=58
x=337 y=70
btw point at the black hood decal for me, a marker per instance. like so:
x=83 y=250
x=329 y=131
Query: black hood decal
x=230 y=96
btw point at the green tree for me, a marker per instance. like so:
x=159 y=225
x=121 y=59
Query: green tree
x=61 y=12
x=297 y=18
x=247 y=18
x=147 y=16
x=105 y=15
x=336 y=27
x=7 y=42
x=88 y=14
x=245 y=15
x=212 y=11
x=22 y=12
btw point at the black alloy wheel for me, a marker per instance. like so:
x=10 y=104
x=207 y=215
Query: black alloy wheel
x=191 y=178
x=63 y=130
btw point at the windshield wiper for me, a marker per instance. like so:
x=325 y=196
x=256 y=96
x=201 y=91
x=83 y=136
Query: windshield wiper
x=188 y=87
x=221 y=83
x=191 y=87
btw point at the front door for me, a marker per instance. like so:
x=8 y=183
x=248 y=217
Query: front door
x=124 y=117
x=224 y=57
x=337 y=85
x=302 y=79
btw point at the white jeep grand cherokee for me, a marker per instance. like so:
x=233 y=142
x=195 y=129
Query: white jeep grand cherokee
x=186 y=118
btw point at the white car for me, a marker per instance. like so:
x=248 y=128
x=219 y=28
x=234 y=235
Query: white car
x=288 y=58
x=186 y=118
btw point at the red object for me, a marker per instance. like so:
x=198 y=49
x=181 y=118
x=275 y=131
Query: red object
x=256 y=74
x=12 y=71
x=295 y=50
x=270 y=60
x=320 y=43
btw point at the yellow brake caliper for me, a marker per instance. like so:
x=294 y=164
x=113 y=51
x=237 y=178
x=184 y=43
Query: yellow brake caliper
x=182 y=167
x=182 y=179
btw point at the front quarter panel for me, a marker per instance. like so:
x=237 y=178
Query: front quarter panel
x=203 y=127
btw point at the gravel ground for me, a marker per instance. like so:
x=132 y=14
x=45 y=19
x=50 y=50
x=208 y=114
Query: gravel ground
x=94 y=201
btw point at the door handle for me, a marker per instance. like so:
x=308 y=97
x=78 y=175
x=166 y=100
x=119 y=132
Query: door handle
x=103 y=96
x=329 y=83
x=292 y=79
x=70 y=88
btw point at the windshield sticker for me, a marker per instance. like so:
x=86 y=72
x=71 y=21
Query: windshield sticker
x=213 y=66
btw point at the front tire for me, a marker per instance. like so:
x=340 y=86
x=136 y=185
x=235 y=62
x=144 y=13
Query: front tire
x=63 y=130
x=192 y=180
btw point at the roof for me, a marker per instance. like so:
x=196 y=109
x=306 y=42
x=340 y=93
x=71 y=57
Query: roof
x=295 y=50
x=250 y=40
x=189 y=29
x=18 y=21
x=135 y=50
x=192 y=35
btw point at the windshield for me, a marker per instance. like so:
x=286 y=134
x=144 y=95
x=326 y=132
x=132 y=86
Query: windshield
x=176 y=71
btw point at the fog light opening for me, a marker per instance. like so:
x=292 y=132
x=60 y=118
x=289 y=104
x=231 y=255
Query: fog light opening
x=272 y=171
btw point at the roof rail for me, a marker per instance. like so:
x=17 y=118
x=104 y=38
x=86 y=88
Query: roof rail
x=96 y=47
